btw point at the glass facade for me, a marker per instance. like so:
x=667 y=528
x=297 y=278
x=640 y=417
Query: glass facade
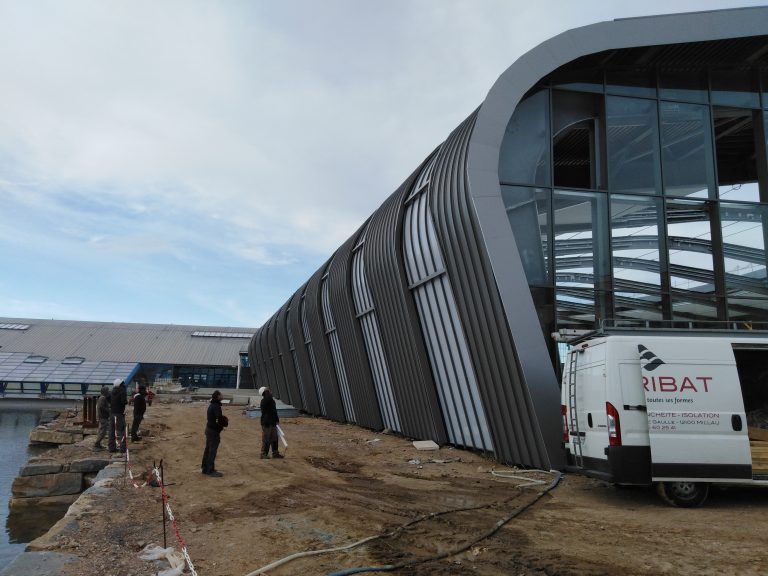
x=640 y=192
x=198 y=376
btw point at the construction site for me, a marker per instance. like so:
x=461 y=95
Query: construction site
x=349 y=500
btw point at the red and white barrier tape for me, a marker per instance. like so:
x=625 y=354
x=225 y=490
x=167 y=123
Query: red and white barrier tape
x=175 y=525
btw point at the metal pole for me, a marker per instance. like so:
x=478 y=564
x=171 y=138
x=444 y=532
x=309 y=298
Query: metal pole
x=162 y=502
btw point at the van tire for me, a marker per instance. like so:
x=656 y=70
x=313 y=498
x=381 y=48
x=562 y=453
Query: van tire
x=683 y=494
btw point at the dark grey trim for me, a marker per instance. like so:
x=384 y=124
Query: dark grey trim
x=729 y=471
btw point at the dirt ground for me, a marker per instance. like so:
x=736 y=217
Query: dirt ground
x=340 y=483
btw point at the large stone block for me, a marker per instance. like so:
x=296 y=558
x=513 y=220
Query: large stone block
x=89 y=464
x=47 y=485
x=54 y=436
x=37 y=469
x=19 y=504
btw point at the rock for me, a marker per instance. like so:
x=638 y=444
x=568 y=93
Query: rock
x=37 y=469
x=53 y=436
x=18 y=504
x=88 y=464
x=47 y=485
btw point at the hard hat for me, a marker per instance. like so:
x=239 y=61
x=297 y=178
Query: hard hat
x=117 y=382
x=262 y=390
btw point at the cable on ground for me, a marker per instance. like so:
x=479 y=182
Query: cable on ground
x=455 y=551
x=395 y=532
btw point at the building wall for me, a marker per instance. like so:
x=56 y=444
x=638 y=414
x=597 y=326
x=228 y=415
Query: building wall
x=443 y=301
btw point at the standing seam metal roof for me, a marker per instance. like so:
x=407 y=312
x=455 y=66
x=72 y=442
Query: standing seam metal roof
x=124 y=342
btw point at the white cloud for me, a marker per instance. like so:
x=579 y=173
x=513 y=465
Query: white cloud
x=259 y=131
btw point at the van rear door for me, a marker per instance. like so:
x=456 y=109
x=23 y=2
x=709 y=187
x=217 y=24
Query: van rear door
x=696 y=420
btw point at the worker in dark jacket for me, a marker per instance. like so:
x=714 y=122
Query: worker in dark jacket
x=269 y=422
x=139 y=407
x=102 y=413
x=117 y=415
x=215 y=423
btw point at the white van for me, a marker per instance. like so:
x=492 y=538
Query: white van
x=681 y=409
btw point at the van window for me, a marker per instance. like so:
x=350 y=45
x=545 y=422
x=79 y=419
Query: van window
x=753 y=377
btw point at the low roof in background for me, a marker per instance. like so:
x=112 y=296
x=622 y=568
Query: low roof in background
x=21 y=367
x=124 y=342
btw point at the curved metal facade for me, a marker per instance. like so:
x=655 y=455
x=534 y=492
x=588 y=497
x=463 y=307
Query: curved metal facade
x=423 y=321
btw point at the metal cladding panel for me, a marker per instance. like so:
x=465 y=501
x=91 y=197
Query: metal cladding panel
x=361 y=387
x=416 y=398
x=369 y=326
x=338 y=358
x=286 y=359
x=303 y=365
x=452 y=367
x=264 y=353
x=254 y=351
x=329 y=385
x=274 y=361
x=515 y=425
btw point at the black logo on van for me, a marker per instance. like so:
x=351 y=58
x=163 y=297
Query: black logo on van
x=651 y=360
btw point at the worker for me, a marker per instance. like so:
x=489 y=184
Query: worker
x=215 y=423
x=118 y=400
x=269 y=422
x=139 y=407
x=102 y=413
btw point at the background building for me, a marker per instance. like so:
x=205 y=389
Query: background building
x=615 y=171
x=68 y=357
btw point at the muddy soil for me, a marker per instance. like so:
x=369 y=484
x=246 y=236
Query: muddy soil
x=340 y=483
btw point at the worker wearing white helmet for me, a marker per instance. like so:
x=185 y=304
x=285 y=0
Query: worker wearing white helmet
x=269 y=422
x=118 y=401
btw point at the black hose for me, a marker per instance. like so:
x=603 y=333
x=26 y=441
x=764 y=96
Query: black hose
x=464 y=548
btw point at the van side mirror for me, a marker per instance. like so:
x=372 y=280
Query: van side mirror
x=736 y=422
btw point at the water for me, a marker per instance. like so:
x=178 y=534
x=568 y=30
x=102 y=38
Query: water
x=17 y=419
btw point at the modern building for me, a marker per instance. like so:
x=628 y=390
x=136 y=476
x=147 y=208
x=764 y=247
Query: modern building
x=60 y=357
x=616 y=171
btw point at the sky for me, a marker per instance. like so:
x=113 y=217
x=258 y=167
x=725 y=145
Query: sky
x=194 y=162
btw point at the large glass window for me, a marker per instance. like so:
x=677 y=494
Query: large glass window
x=686 y=147
x=576 y=140
x=736 y=153
x=744 y=228
x=635 y=225
x=686 y=85
x=633 y=145
x=688 y=307
x=581 y=240
x=764 y=82
x=691 y=264
x=528 y=213
x=735 y=88
x=524 y=155
x=632 y=81
x=630 y=305
x=632 y=182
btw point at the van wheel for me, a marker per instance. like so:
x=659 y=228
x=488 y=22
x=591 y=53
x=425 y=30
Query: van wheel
x=683 y=494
